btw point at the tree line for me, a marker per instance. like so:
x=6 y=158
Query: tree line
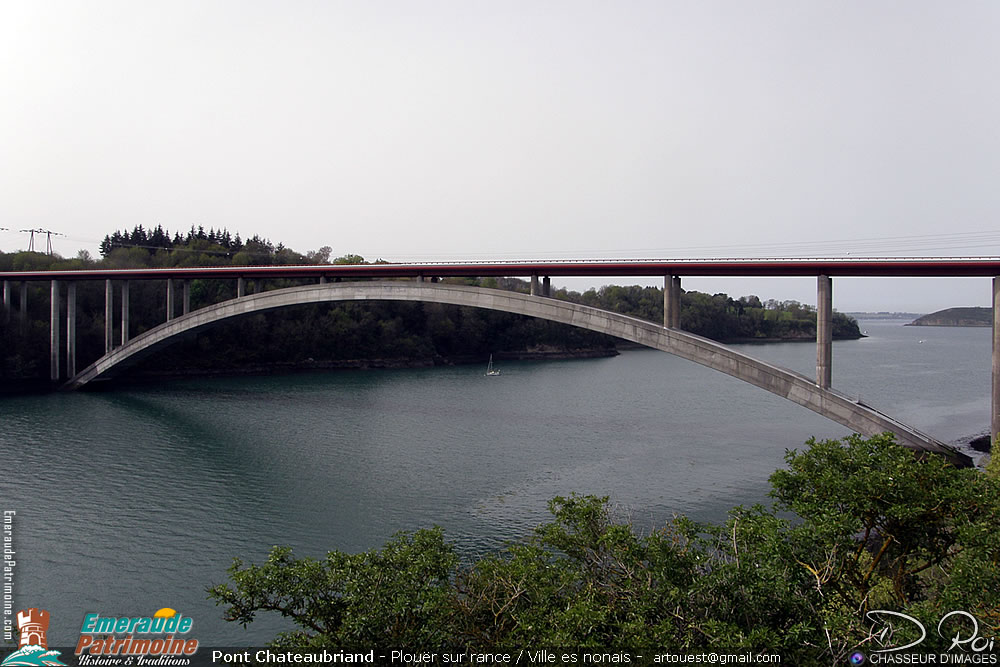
x=719 y=316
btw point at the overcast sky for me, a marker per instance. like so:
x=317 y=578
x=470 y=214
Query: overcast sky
x=555 y=129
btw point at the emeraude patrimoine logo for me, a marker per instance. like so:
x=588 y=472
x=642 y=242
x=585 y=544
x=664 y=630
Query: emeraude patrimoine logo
x=99 y=635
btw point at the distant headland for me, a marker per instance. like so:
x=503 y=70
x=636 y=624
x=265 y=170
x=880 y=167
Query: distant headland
x=956 y=317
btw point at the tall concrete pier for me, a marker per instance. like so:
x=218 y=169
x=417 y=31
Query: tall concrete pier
x=71 y=330
x=54 y=331
x=24 y=308
x=672 y=301
x=824 y=331
x=171 y=298
x=995 y=421
x=109 y=323
x=125 y=314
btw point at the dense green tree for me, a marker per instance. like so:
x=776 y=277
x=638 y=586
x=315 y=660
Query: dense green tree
x=397 y=596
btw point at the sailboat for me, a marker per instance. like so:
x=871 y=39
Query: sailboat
x=490 y=370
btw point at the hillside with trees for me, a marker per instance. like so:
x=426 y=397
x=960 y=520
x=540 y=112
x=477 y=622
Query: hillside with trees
x=349 y=334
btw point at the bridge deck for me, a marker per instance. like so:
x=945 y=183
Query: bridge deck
x=857 y=267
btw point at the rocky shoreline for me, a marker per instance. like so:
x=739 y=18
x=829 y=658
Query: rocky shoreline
x=981 y=443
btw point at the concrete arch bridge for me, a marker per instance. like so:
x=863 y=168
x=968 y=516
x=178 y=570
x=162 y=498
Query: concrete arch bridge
x=785 y=383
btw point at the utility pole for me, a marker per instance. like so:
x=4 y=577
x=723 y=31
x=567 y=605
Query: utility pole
x=48 y=239
x=31 y=243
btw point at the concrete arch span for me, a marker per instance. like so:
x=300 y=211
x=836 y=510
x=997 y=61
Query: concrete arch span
x=785 y=383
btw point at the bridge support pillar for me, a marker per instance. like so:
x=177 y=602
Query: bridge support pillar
x=995 y=403
x=109 y=323
x=24 y=308
x=187 y=297
x=6 y=301
x=241 y=286
x=668 y=301
x=671 y=302
x=824 y=331
x=125 y=321
x=322 y=280
x=170 y=299
x=54 y=332
x=534 y=284
x=546 y=286
x=676 y=286
x=71 y=330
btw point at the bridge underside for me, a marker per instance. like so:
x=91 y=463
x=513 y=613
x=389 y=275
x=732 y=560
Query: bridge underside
x=787 y=384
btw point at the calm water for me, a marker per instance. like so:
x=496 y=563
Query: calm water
x=137 y=499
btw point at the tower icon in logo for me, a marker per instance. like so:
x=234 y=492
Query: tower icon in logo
x=32 y=648
x=32 y=624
